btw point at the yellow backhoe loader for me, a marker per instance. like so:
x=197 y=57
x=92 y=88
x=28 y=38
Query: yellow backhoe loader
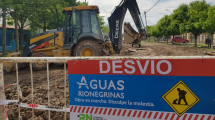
x=82 y=35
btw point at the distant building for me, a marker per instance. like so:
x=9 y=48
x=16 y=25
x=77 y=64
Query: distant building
x=200 y=39
x=10 y=38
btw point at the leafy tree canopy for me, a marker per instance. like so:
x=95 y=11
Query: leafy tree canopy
x=209 y=25
x=179 y=19
x=198 y=14
x=163 y=25
x=105 y=29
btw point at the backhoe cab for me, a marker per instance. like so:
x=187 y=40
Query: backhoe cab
x=82 y=32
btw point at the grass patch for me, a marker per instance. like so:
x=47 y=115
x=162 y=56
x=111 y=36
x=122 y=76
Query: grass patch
x=8 y=52
x=208 y=49
x=190 y=45
x=151 y=40
x=202 y=45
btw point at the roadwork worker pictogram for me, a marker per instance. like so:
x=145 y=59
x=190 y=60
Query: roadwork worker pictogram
x=180 y=98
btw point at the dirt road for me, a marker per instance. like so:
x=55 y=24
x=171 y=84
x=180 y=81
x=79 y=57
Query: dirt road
x=57 y=81
x=160 y=49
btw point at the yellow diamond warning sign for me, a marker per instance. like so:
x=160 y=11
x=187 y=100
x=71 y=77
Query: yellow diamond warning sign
x=180 y=98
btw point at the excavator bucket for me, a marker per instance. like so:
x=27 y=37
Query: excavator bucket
x=10 y=67
x=130 y=35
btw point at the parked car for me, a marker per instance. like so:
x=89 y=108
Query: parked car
x=179 y=39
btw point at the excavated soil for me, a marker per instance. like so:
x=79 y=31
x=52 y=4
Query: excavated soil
x=40 y=93
x=57 y=81
x=159 y=49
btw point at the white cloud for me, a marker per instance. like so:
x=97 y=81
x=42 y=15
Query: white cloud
x=154 y=15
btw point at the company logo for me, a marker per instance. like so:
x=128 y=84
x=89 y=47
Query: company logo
x=89 y=117
x=117 y=29
x=32 y=46
x=83 y=83
x=97 y=84
x=85 y=117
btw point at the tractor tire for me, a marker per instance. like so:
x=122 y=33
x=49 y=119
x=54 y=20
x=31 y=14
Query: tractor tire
x=38 y=66
x=88 y=48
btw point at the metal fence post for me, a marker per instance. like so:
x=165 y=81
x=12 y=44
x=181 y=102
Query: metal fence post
x=65 y=88
x=17 y=80
x=32 y=90
x=2 y=109
x=48 y=90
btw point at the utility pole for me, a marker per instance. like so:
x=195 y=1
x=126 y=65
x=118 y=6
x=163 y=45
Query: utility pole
x=146 y=20
x=85 y=2
x=169 y=11
x=146 y=23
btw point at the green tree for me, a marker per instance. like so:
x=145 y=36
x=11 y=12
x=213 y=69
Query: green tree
x=149 y=30
x=197 y=16
x=79 y=3
x=105 y=29
x=101 y=21
x=155 y=32
x=71 y=3
x=173 y=24
x=210 y=23
x=44 y=15
x=178 y=19
x=20 y=10
x=164 y=26
x=13 y=9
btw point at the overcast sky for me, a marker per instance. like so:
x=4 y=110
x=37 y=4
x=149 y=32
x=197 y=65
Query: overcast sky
x=153 y=16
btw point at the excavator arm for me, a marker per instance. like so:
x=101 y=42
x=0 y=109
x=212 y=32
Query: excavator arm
x=116 y=21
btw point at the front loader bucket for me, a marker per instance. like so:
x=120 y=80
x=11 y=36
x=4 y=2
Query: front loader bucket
x=130 y=35
x=10 y=67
